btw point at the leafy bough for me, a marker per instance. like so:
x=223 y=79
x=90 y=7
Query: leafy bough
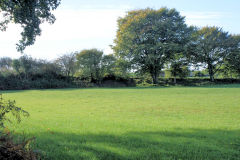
x=9 y=107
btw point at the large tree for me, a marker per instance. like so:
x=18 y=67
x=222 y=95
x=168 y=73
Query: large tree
x=233 y=60
x=27 y=64
x=5 y=63
x=210 y=47
x=67 y=63
x=89 y=63
x=29 y=14
x=149 y=38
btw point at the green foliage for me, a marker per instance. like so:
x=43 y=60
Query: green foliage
x=199 y=73
x=178 y=66
x=9 y=149
x=16 y=65
x=167 y=73
x=27 y=64
x=108 y=65
x=67 y=63
x=89 y=64
x=179 y=70
x=29 y=14
x=94 y=65
x=144 y=80
x=226 y=71
x=26 y=73
x=122 y=68
x=7 y=107
x=210 y=46
x=5 y=63
x=233 y=60
x=149 y=38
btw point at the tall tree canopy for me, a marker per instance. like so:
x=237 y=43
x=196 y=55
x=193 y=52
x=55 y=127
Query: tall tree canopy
x=149 y=38
x=29 y=14
x=67 y=63
x=211 y=46
x=89 y=63
x=233 y=60
x=108 y=64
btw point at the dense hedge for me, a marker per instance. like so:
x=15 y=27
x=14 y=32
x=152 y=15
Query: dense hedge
x=36 y=81
x=43 y=81
x=52 y=80
x=187 y=81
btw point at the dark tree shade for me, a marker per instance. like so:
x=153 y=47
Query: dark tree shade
x=29 y=14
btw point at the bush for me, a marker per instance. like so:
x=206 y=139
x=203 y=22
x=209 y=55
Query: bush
x=34 y=81
x=7 y=107
x=9 y=150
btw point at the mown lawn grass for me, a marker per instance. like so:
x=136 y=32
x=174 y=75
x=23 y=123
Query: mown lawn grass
x=187 y=123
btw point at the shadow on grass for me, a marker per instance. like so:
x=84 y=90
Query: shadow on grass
x=179 y=144
x=129 y=88
x=222 y=86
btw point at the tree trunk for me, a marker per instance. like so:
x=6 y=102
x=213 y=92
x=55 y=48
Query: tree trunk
x=92 y=79
x=155 y=77
x=212 y=78
x=210 y=71
x=175 y=80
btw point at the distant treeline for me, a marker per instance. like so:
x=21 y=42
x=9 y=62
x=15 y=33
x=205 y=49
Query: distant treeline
x=91 y=68
x=87 y=68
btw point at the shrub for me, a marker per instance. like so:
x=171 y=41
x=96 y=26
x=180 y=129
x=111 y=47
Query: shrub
x=9 y=150
x=9 y=106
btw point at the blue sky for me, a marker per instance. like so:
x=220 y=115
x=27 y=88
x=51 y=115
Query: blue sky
x=92 y=24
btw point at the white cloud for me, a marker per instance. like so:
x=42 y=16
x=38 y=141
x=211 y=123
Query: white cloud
x=74 y=24
x=73 y=30
x=203 y=18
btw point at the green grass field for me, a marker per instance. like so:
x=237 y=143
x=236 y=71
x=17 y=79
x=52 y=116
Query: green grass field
x=169 y=123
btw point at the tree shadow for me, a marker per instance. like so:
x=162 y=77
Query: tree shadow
x=192 y=144
x=128 y=88
x=222 y=86
x=11 y=91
